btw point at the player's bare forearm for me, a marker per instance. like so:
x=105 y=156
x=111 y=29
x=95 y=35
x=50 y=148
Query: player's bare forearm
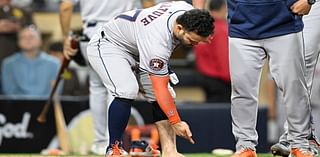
x=147 y=3
x=199 y=4
x=65 y=13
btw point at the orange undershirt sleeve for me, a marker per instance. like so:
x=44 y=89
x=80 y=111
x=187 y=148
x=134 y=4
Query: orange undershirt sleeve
x=164 y=98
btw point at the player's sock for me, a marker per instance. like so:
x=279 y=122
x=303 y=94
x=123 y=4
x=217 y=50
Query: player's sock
x=119 y=112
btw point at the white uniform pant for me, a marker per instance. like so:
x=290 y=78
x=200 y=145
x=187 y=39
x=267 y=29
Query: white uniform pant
x=115 y=68
x=99 y=101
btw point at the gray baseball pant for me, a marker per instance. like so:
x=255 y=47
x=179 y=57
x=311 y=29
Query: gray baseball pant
x=311 y=35
x=287 y=67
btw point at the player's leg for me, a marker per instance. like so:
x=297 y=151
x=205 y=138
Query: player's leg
x=115 y=69
x=166 y=133
x=287 y=67
x=246 y=62
x=311 y=37
x=99 y=101
x=315 y=105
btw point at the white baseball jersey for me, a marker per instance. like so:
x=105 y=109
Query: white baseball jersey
x=103 y=10
x=147 y=34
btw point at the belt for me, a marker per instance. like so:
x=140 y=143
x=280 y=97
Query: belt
x=91 y=24
x=84 y=38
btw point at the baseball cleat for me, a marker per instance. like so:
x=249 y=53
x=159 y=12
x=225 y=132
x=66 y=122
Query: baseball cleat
x=143 y=149
x=281 y=149
x=245 y=153
x=116 y=151
x=295 y=152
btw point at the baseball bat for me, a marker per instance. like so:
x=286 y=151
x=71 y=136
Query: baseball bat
x=61 y=127
x=42 y=116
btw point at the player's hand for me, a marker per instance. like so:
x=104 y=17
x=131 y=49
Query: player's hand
x=68 y=51
x=301 y=7
x=182 y=129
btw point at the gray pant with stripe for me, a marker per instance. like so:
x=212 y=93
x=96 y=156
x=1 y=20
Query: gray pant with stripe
x=287 y=67
x=115 y=68
x=311 y=35
x=99 y=103
x=112 y=75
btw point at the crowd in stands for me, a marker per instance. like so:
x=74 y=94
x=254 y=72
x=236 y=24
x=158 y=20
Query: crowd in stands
x=26 y=68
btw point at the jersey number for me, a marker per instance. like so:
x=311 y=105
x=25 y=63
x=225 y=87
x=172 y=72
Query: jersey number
x=128 y=17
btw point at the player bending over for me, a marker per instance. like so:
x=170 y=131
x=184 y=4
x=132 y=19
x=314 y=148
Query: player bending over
x=145 y=37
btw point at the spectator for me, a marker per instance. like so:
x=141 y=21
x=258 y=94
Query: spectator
x=30 y=72
x=71 y=84
x=11 y=20
x=212 y=58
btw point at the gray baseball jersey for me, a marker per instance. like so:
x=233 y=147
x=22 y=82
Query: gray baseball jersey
x=146 y=34
x=138 y=36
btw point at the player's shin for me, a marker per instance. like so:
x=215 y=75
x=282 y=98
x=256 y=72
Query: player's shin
x=119 y=113
x=167 y=139
x=166 y=133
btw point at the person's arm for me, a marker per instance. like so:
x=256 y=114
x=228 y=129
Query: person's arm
x=199 y=4
x=167 y=105
x=147 y=3
x=154 y=57
x=164 y=98
x=8 y=26
x=65 y=13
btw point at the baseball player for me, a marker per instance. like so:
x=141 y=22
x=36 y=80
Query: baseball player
x=94 y=13
x=256 y=30
x=311 y=35
x=253 y=37
x=145 y=38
